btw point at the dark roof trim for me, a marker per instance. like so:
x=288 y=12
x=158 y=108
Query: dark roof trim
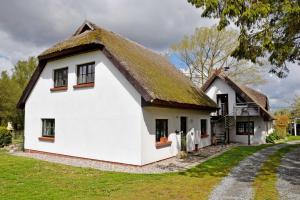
x=43 y=61
x=171 y=104
x=31 y=84
x=147 y=99
x=72 y=51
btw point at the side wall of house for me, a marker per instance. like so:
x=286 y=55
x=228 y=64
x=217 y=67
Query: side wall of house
x=220 y=87
x=100 y=123
x=151 y=153
x=261 y=129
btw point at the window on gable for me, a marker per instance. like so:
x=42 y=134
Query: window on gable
x=48 y=127
x=86 y=73
x=161 y=129
x=243 y=128
x=61 y=77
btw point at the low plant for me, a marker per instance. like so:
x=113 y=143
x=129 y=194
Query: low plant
x=272 y=137
x=5 y=137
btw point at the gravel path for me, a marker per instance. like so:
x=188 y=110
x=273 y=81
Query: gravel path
x=288 y=183
x=170 y=165
x=238 y=184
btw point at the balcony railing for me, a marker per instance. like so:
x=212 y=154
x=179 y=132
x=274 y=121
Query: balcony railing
x=246 y=109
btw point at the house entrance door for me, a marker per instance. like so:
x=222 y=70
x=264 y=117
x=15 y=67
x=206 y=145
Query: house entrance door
x=183 y=129
x=222 y=101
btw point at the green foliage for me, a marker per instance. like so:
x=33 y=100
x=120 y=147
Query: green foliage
x=293 y=137
x=209 y=49
x=11 y=88
x=5 y=137
x=272 y=138
x=295 y=107
x=267 y=28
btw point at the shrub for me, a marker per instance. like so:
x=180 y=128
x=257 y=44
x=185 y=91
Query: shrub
x=5 y=137
x=281 y=132
x=272 y=137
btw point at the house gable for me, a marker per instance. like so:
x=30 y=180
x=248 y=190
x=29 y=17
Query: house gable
x=158 y=82
x=246 y=93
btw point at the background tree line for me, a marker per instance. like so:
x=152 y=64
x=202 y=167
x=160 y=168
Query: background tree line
x=11 y=88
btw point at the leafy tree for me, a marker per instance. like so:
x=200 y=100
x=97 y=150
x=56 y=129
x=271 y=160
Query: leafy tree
x=267 y=28
x=295 y=107
x=208 y=49
x=11 y=88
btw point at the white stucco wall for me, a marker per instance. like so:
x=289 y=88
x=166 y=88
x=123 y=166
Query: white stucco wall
x=220 y=87
x=260 y=131
x=103 y=122
x=149 y=151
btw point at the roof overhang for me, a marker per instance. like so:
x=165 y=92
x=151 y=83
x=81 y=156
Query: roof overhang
x=172 y=104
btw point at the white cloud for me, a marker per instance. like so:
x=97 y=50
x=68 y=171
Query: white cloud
x=37 y=24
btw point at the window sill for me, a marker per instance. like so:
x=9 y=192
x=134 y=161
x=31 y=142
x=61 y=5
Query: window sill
x=161 y=145
x=204 y=136
x=46 y=139
x=85 y=85
x=63 y=88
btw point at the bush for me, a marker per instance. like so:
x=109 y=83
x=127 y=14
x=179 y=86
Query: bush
x=5 y=137
x=281 y=132
x=272 y=137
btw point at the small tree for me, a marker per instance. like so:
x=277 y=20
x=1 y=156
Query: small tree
x=208 y=49
x=267 y=28
x=281 y=125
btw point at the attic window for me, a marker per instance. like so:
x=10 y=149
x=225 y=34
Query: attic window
x=85 y=28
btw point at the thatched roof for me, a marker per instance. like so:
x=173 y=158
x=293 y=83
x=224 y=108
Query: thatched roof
x=150 y=73
x=250 y=94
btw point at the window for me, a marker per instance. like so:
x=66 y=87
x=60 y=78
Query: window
x=161 y=129
x=61 y=77
x=48 y=129
x=243 y=128
x=203 y=123
x=86 y=73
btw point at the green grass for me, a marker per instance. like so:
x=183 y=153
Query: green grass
x=25 y=178
x=293 y=138
x=265 y=182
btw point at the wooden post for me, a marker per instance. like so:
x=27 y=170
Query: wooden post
x=295 y=126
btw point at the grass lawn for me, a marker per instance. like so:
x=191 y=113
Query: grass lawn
x=25 y=178
x=293 y=138
x=265 y=182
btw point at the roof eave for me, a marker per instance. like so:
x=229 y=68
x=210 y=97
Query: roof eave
x=172 y=104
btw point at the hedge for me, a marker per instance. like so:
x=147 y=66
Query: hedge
x=5 y=137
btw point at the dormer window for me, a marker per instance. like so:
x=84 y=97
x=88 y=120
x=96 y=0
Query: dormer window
x=86 y=73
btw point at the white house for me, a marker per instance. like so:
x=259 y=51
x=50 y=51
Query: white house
x=100 y=96
x=243 y=116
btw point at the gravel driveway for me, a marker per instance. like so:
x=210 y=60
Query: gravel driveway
x=288 y=183
x=238 y=184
